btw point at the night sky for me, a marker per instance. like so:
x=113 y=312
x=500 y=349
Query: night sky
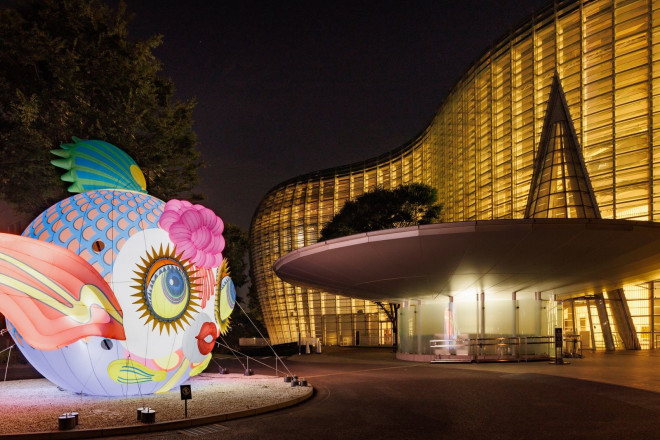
x=289 y=87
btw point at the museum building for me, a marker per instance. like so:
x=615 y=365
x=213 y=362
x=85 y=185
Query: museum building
x=546 y=156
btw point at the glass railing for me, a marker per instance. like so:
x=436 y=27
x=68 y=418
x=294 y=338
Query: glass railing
x=572 y=346
x=496 y=349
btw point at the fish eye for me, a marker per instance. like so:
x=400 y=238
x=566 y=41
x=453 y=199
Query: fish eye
x=225 y=298
x=168 y=291
x=165 y=291
x=98 y=246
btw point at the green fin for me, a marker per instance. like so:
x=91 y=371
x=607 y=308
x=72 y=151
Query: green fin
x=93 y=164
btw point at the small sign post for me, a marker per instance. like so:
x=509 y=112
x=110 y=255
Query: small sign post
x=559 y=346
x=186 y=393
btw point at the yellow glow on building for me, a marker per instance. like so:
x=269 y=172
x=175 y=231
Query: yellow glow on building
x=479 y=153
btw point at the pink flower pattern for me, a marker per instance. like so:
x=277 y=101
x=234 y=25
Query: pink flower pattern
x=195 y=230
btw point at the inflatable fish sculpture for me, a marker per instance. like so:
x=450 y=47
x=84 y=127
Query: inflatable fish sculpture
x=112 y=291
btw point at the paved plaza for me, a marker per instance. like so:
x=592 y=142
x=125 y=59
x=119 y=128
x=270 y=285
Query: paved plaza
x=367 y=393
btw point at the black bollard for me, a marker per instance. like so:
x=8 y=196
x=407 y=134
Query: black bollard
x=148 y=415
x=66 y=422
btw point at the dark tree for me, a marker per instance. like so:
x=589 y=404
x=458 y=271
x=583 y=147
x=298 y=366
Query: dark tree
x=68 y=68
x=254 y=308
x=406 y=205
x=247 y=322
x=236 y=249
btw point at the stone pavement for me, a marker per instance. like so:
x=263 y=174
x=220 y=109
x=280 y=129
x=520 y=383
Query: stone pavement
x=367 y=393
x=635 y=369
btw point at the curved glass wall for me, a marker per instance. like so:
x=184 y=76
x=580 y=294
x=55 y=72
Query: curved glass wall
x=479 y=152
x=292 y=215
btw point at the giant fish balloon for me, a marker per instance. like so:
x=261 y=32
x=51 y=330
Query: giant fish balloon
x=114 y=292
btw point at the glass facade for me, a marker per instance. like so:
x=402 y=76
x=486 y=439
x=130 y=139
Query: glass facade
x=479 y=151
x=560 y=185
x=561 y=190
x=291 y=216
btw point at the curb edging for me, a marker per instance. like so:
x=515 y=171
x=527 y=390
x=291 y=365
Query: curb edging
x=156 y=427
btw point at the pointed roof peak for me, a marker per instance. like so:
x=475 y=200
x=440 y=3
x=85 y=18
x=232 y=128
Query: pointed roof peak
x=560 y=186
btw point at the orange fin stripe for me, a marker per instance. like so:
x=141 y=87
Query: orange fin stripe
x=52 y=296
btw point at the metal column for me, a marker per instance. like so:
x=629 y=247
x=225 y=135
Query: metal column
x=573 y=315
x=624 y=323
x=538 y=318
x=652 y=314
x=604 y=322
x=514 y=309
x=478 y=320
x=483 y=314
x=591 y=326
x=419 y=326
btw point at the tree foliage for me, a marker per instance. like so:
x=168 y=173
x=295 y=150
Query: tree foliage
x=405 y=205
x=68 y=68
x=254 y=307
x=248 y=322
x=236 y=249
x=236 y=252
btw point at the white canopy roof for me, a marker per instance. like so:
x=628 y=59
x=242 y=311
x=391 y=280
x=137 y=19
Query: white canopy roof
x=560 y=256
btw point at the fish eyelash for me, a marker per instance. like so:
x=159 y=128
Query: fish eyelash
x=150 y=267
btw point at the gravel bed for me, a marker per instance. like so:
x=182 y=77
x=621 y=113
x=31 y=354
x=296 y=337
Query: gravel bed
x=35 y=405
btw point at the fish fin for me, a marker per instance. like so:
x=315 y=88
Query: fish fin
x=128 y=371
x=94 y=164
x=52 y=296
x=198 y=368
